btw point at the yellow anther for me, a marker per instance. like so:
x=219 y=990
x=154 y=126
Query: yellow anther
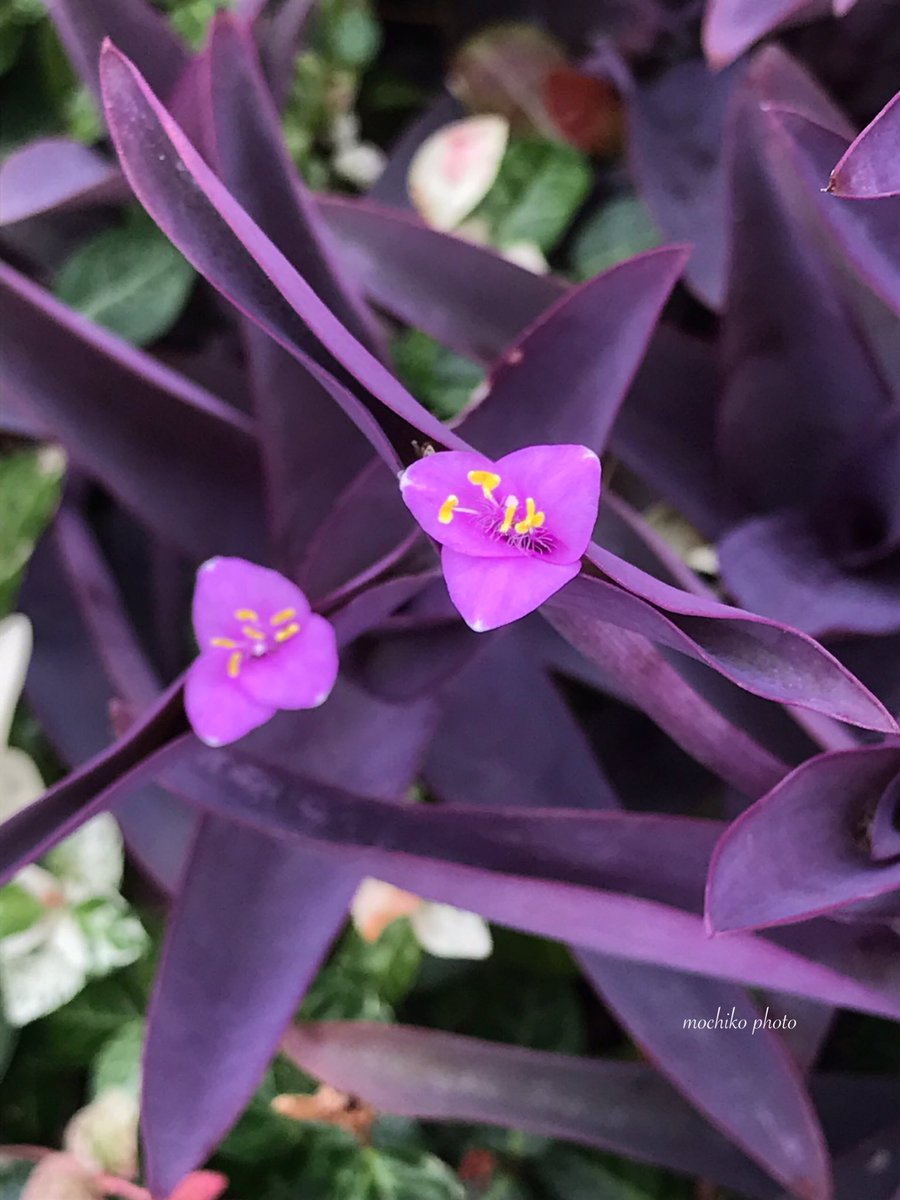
x=486 y=480
x=234 y=664
x=246 y=614
x=445 y=512
x=532 y=519
x=509 y=515
x=289 y=631
x=286 y=614
x=223 y=643
x=255 y=634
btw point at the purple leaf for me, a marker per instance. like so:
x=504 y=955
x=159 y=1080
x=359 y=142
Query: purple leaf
x=639 y=673
x=621 y=1107
x=779 y=568
x=101 y=782
x=506 y=733
x=624 y=926
x=463 y=295
x=234 y=967
x=141 y=31
x=732 y=26
x=677 y=124
x=183 y=461
x=870 y=167
x=802 y=849
x=749 y=1089
x=52 y=175
x=567 y=375
x=310 y=448
x=225 y=245
x=769 y=660
x=802 y=342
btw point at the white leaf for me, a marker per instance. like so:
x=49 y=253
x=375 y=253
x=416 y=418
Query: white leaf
x=448 y=932
x=113 y=936
x=91 y=861
x=103 y=1135
x=452 y=171
x=20 y=781
x=15 y=653
x=49 y=975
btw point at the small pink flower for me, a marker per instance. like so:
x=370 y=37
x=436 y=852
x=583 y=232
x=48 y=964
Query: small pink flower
x=261 y=649
x=513 y=532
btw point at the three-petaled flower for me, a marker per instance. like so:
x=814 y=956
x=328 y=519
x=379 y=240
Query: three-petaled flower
x=513 y=531
x=261 y=649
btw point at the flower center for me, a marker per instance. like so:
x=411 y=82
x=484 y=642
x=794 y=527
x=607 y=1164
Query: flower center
x=256 y=639
x=506 y=520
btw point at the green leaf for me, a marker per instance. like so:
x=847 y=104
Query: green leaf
x=131 y=280
x=18 y=909
x=363 y=982
x=352 y=36
x=620 y=229
x=114 y=935
x=440 y=379
x=376 y=1176
x=75 y=1034
x=118 y=1064
x=539 y=188
x=569 y=1174
x=30 y=484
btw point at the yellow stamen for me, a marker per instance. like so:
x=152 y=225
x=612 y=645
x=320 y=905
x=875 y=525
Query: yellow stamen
x=223 y=643
x=286 y=614
x=289 y=631
x=445 y=512
x=234 y=664
x=532 y=520
x=510 y=515
x=255 y=634
x=246 y=614
x=486 y=480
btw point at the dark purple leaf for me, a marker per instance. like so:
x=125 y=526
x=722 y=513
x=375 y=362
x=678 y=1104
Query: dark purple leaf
x=139 y=29
x=769 y=660
x=567 y=375
x=183 y=461
x=53 y=174
x=310 y=448
x=217 y=236
x=616 y=1106
x=742 y=1079
x=677 y=124
x=803 y=849
x=870 y=167
x=465 y=296
x=234 y=967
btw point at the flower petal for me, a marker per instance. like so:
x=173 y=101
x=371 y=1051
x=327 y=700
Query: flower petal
x=300 y=673
x=490 y=592
x=218 y=709
x=225 y=586
x=426 y=486
x=377 y=904
x=565 y=483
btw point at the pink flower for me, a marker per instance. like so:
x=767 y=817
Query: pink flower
x=261 y=649
x=513 y=532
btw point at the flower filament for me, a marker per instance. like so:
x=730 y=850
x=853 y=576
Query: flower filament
x=255 y=640
x=500 y=519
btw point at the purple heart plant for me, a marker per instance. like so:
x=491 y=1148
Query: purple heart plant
x=690 y=781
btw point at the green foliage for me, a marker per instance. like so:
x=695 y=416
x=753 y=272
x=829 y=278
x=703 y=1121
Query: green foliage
x=618 y=230
x=538 y=190
x=350 y=34
x=371 y=1175
x=18 y=909
x=118 y=1062
x=13 y=1177
x=566 y=1173
x=129 y=279
x=440 y=379
x=365 y=982
x=30 y=483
